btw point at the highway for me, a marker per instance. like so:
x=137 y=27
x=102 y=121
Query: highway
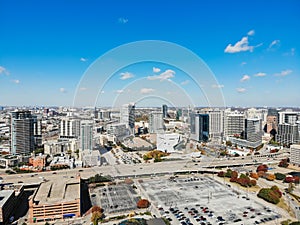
x=135 y=170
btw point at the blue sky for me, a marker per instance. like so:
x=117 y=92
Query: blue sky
x=252 y=48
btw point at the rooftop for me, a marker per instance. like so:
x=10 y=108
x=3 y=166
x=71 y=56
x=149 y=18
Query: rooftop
x=4 y=195
x=58 y=190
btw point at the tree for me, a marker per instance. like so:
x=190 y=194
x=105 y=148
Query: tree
x=96 y=208
x=279 y=176
x=254 y=176
x=262 y=167
x=270 y=177
x=283 y=163
x=96 y=216
x=143 y=203
x=271 y=195
x=228 y=143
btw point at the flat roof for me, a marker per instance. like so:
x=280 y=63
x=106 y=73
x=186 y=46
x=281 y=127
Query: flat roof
x=4 y=196
x=58 y=190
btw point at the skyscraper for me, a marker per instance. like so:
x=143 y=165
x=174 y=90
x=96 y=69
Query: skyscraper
x=253 y=130
x=216 y=123
x=127 y=116
x=156 y=122
x=199 y=124
x=69 y=128
x=165 y=111
x=234 y=123
x=22 y=132
x=86 y=135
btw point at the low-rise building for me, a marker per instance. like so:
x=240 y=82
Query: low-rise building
x=56 y=199
x=38 y=162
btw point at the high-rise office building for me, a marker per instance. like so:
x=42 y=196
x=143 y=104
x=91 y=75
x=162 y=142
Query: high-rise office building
x=234 y=123
x=165 y=111
x=288 y=134
x=69 y=128
x=37 y=131
x=156 y=122
x=86 y=135
x=216 y=123
x=22 y=132
x=253 y=130
x=289 y=117
x=295 y=155
x=127 y=116
x=199 y=124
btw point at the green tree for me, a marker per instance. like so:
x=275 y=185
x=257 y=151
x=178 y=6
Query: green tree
x=96 y=216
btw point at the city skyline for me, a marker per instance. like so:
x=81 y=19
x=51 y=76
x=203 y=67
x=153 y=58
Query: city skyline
x=251 y=50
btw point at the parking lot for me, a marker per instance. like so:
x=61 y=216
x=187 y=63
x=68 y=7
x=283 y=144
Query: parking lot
x=203 y=200
x=115 y=198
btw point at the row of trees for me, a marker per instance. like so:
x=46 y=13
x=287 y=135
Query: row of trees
x=99 y=179
x=244 y=180
x=271 y=195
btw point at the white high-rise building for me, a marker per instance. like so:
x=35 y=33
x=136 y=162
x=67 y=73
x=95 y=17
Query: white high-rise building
x=86 y=135
x=288 y=134
x=295 y=155
x=156 y=122
x=234 y=123
x=127 y=116
x=216 y=123
x=69 y=128
x=289 y=117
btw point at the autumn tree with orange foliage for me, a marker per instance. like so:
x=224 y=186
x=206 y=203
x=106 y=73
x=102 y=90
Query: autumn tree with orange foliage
x=143 y=203
x=270 y=177
x=254 y=176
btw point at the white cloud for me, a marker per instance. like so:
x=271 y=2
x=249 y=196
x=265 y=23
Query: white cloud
x=3 y=70
x=185 y=82
x=15 y=81
x=284 y=73
x=146 y=90
x=168 y=74
x=102 y=92
x=155 y=70
x=245 y=78
x=243 y=63
x=240 y=46
x=83 y=59
x=274 y=44
x=126 y=75
x=260 y=74
x=123 y=20
x=241 y=90
x=83 y=89
x=120 y=91
x=217 y=86
x=251 y=32
x=63 y=90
